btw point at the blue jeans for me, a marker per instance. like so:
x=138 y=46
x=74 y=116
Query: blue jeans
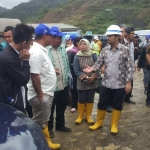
x=146 y=77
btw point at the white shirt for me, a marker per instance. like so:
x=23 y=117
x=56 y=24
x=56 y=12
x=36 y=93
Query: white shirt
x=41 y=64
x=70 y=47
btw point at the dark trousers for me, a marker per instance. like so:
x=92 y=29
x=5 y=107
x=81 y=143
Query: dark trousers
x=74 y=100
x=86 y=96
x=74 y=93
x=29 y=109
x=148 y=94
x=113 y=97
x=60 y=102
x=127 y=96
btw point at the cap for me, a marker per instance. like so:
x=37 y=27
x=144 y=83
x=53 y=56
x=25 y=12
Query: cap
x=72 y=37
x=55 y=31
x=67 y=37
x=147 y=36
x=42 y=29
x=96 y=38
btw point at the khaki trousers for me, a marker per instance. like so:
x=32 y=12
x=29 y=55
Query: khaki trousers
x=41 y=111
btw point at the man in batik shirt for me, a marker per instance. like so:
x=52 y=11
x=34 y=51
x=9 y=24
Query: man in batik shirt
x=118 y=75
x=59 y=58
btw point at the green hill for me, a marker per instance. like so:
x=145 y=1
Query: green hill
x=97 y=15
x=94 y=15
x=2 y=9
x=33 y=9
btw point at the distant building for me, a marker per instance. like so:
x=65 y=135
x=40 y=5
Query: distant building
x=7 y=22
x=63 y=27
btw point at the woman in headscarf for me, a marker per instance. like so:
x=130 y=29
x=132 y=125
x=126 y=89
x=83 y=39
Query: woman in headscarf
x=86 y=82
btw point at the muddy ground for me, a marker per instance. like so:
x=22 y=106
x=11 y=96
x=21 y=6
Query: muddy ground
x=134 y=127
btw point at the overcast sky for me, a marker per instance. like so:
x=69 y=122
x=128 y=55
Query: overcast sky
x=11 y=3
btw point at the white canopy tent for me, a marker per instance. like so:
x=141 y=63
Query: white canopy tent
x=62 y=26
x=7 y=22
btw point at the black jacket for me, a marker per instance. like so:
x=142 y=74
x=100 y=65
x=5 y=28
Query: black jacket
x=14 y=73
x=71 y=58
x=142 y=59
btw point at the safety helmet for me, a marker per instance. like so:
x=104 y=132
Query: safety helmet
x=113 y=29
x=96 y=38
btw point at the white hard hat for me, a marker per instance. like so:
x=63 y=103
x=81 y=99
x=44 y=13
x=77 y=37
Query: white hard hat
x=96 y=38
x=113 y=29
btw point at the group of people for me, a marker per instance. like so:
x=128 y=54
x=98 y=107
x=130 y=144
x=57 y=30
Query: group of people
x=35 y=75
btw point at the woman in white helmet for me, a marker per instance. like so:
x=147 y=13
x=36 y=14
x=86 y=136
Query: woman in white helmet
x=118 y=75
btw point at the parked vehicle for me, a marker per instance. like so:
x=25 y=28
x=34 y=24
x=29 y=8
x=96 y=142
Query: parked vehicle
x=19 y=132
x=142 y=33
x=103 y=38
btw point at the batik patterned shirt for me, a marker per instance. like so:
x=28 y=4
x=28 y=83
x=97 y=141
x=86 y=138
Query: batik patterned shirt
x=118 y=66
x=60 y=61
x=130 y=45
x=148 y=49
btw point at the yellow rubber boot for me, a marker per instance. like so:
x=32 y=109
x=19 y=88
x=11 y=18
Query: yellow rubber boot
x=81 y=108
x=89 y=108
x=47 y=136
x=114 y=122
x=99 y=121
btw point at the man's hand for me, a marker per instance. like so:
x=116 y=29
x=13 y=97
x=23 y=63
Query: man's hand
x=24 y=54
x=135 y=68
x=103 y=69
x=136 y=48
x=40 y=97
x=57 y=71
x=36 y=81
x=88 y=69
x=128 y=87
x=138 y=69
